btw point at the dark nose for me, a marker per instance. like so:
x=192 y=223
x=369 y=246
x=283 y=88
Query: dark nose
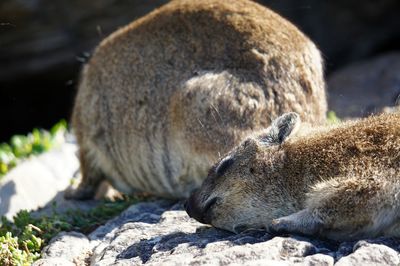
x=195 y=211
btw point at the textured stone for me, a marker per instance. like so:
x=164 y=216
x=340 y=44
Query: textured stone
x=53 y=262
x=161 y=233
x=318 y=260
x=38 y=180
x=371 y=254
x=71 y=246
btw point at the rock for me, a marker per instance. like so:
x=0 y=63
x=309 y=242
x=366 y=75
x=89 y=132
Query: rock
x=38 y=184
x=40 y=35
x=38 y=180
x=161 y=233
x=374 y=26
x=391 y=242
x=53 y=262
x=365 y=87
x=371 y=254
x=318 y=260
x=71 y=246
x=148 y=234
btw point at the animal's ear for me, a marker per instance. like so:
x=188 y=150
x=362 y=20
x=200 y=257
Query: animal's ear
x=281 y=128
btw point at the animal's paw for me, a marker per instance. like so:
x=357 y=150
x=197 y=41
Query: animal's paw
x=302 y=222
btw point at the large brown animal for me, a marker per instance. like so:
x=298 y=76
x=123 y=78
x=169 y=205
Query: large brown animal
x=339 y=183
x=163 y=97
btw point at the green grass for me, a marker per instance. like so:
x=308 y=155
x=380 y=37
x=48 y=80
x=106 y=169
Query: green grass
x=332 y=118
x=21 y=147
x=22 y=239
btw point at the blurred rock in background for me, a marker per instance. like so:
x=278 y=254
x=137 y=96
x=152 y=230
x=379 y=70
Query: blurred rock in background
x=345 y=30
x=42 y=46
x=44 y=42
x=366 y=87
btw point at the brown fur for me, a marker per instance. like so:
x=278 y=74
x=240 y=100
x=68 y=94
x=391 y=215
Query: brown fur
x=339 y=182
x=163 y=97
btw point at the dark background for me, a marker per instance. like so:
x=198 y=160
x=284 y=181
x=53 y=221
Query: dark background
x=44 y=42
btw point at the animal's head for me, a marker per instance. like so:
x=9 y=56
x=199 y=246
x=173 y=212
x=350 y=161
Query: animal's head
x=246 y=188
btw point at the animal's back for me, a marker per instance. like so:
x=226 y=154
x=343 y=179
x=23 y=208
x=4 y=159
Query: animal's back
x=163 y=97
x=361 y=148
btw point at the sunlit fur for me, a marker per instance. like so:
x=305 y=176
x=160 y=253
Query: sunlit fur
x=163 y=97
x=339 y=182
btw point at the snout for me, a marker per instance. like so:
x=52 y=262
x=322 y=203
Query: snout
x=198 y=210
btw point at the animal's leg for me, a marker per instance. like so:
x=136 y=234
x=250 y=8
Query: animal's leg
x=345 y=209
x=91 y=179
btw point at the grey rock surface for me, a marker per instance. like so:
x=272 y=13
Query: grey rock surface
x=53 y=262
x=66 y=249
x=161 y=233
x=371 y=254
x=71 y=246
x=365 y=87
x=319 y=259
x=38 y=180
x=38 y=184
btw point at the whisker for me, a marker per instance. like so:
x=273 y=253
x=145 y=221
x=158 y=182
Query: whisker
x=205 y=129
x=219 y=124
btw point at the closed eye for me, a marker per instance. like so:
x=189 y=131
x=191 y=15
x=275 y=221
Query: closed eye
x=223 y=166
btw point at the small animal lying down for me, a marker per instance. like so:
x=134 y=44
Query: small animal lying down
x=339 y=182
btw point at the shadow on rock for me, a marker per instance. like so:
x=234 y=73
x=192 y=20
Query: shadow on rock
x=200 y=239
x=6 y=192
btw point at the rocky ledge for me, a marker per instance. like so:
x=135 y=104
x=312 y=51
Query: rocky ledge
x=161 y=233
